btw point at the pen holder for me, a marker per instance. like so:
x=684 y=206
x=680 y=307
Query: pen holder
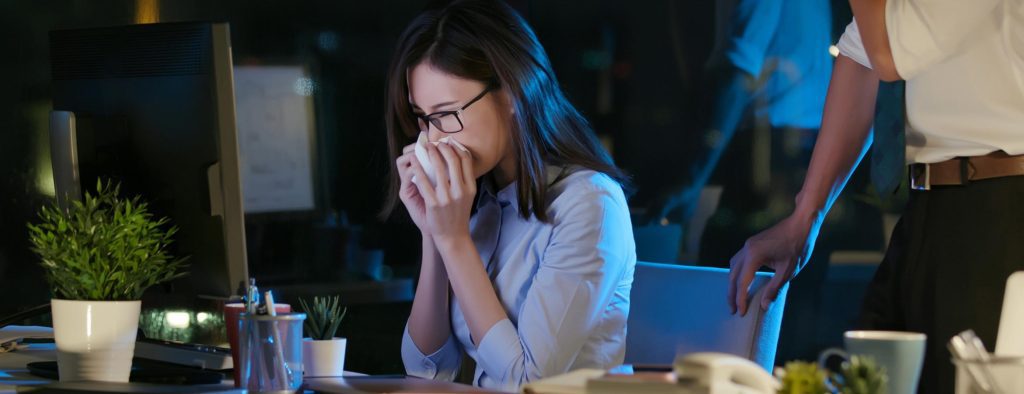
x=231 y=324
x=1006 y=373
x=270 y=352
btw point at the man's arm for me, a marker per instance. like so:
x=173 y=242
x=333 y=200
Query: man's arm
x=843 y=140
x=870 y=16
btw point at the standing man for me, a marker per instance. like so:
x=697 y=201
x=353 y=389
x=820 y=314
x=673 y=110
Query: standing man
x=770 y=61
x=959 y=238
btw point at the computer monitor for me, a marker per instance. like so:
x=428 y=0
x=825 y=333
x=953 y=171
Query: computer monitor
x=152 y=107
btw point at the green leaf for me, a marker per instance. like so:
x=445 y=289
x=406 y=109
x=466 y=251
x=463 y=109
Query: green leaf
x=861 y=375
x=105 y=247
x=324 y=317
x=802 y=377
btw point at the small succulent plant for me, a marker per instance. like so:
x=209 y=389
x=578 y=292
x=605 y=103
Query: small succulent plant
x=801 y=377
x=861 y=375
x=323 y=317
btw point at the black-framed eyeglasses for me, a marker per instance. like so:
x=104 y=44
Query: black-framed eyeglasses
x=449 y=121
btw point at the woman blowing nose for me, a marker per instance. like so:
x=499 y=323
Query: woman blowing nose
x=528 y=253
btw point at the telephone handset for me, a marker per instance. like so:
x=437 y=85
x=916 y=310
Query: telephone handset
x=720 y=373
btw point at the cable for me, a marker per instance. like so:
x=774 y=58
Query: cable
x=37 y=310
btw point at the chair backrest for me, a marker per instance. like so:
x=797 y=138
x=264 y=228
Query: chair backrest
x=676 y=309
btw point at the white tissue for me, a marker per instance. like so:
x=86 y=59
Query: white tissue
x=421 y=154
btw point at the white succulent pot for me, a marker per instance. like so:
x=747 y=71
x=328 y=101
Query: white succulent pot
x=95 y=339
x=323 y=358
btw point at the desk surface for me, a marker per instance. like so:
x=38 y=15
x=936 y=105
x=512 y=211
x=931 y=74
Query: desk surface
x=370 y=384
x=13 y=374
x=12 y=366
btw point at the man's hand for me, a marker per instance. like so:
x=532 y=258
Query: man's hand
x=784 y=247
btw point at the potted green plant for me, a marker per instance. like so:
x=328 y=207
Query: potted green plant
x=858 y=375
x=861 y=375
x=99 y=256
x=322 y=353
x=801 y=377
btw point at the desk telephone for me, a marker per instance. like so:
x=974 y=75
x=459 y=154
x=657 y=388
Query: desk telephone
x=720 y=373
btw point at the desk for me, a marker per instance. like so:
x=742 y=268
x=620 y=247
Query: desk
x=369 y=384
x=12 y=366
x=13 y=375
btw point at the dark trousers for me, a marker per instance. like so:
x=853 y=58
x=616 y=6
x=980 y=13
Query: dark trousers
x=946 y=269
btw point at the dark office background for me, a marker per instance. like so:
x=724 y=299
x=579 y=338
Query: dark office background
x=635 y=69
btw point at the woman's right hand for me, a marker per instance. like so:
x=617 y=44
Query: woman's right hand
x=408 y=192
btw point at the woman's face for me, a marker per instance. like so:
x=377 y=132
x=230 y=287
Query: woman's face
x=485 y=130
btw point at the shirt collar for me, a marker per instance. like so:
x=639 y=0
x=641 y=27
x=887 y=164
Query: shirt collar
x=509 y=194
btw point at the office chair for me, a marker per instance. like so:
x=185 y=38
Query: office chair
x=677 y=309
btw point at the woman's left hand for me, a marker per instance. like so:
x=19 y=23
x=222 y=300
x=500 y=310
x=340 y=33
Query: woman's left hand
x=449 y=203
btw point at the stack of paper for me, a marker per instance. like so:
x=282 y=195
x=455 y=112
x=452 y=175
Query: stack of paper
x=638 y=383
x=13 y=334
x=597 y=381
x=574 y=382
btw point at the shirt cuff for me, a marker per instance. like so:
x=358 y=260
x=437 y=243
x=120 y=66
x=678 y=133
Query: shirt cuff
x=499 y=349
x=851 y=46
x=443 y=364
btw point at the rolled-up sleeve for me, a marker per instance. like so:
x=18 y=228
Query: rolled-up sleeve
x=851 y=46
x=441 y=365
x=590 y=250
x=924 y=32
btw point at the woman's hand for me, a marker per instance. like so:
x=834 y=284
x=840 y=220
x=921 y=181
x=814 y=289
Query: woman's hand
x=408 y=192
x=447 y=205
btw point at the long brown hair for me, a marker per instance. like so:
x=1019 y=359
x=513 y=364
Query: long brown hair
x=488 y=41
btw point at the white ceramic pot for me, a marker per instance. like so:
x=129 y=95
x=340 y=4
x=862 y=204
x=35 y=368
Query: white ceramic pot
x=95 y=339
x=323 y=358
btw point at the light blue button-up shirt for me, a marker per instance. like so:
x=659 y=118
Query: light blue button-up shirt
x=564 y=285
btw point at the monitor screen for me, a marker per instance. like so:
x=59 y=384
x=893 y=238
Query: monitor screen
x=152 y=107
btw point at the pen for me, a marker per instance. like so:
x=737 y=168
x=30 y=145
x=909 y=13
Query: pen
x=251 y=308
x=252 y=298
x=282 y=365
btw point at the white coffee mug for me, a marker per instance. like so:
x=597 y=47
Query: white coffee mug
x=900 y=353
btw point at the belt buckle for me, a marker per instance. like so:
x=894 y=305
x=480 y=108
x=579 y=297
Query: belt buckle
x=927 y=185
